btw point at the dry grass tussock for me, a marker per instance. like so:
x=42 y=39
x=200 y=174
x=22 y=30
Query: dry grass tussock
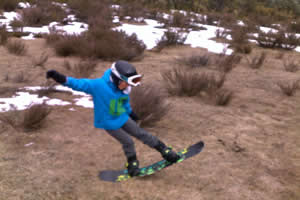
x=41 y=60
x=194 y=61
x=149 y=102
x=82 y=69
x=16 y=47
x=28 y=120
x=291 y=65
x=180 y=82
x=258 y=61
x=170 y=38
x=289 y=88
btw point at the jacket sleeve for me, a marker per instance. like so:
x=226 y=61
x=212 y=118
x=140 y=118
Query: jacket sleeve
x=82 y=85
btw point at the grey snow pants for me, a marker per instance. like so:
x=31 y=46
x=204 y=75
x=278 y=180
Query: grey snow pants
x=131 y=128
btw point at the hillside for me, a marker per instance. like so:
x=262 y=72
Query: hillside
x=250 y=125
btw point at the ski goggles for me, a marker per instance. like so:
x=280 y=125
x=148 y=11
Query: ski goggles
x=134 y=80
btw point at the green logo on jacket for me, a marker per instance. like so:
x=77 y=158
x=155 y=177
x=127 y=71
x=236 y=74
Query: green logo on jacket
x=116 y=107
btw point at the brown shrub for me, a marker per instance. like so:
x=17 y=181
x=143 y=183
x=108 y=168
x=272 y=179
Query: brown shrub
x=99 y=43
x=16 y=47
x=41 y=60
x=240 y=39
x=31 y=119
x=135 y=10
x=195 y=61
x=68 y=45
x=227 y=63
x=289 y=88
x=185 y=83
x=149 y=103
x=278 y=40
x=257 y=61
x=87 y=9
x=222 y=97
x=4 y=35
x=291 y=65
x=17 y=25
x=43 y=13
x=82 y=69
x=170 y=38
x=179 y=20
x=8 y=5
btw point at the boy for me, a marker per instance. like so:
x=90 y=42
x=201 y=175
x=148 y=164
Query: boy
x=112 y=111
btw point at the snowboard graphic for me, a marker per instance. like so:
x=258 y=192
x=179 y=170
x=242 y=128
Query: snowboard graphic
x=122 y=175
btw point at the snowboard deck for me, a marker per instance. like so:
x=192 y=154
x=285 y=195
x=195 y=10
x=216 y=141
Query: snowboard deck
x=122 y=175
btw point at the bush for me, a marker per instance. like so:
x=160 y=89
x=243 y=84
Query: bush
x=227 y=63
x=8 y=5
x=16 y=47
x=43 y=13
x=134 y=10
x=291 y=66
x=68 y=45
x=289 y=88
x=98 y=43
x=41 y=60
x=149 y=103
x=222 y=97
x=257 y=61
x=240 y=39
x=278 y=40
x=87 y=9
x=4 y=35
x=195 y=61
x=178 y=20
x=82 y=69
x=170 y=38
x=31 y=119
x=185 y=83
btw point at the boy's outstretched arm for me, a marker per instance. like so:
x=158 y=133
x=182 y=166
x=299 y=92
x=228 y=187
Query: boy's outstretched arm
x=83 y=85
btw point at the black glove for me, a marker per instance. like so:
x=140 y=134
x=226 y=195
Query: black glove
x=134 y=117
x=60 y=78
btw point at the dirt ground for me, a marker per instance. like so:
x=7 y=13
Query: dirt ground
x=252 y=147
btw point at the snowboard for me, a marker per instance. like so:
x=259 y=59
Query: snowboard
x=122 y=175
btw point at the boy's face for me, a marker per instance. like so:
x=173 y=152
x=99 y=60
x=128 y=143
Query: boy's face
x=123 y=85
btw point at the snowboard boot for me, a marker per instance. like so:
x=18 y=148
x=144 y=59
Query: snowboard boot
x=133 y=166
x=167 y=152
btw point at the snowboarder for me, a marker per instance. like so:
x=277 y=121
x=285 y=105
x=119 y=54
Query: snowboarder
x=112 y=110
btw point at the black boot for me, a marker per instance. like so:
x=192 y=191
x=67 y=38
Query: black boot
x=167 y=152
x=133 y=166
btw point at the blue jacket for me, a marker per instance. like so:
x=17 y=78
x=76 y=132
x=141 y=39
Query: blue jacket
x=111 y=105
